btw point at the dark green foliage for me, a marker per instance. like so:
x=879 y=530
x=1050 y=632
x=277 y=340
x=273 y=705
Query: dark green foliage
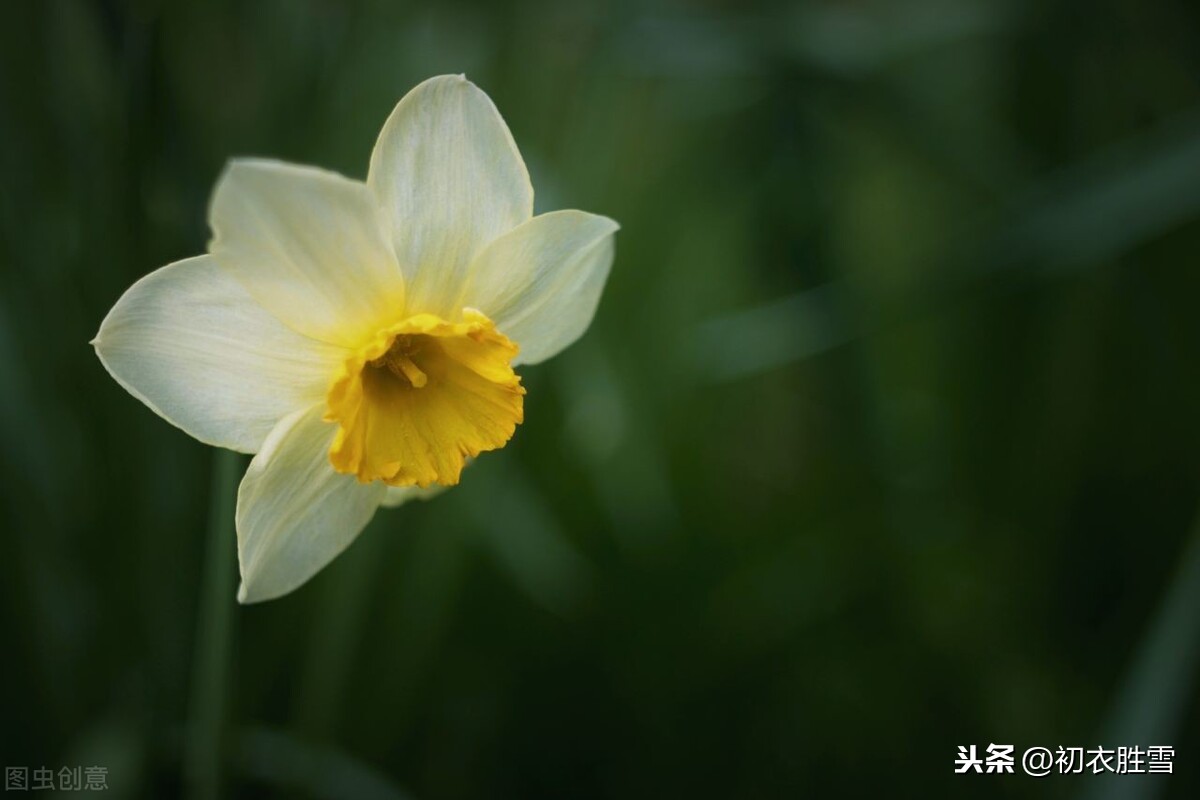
x=884 y=440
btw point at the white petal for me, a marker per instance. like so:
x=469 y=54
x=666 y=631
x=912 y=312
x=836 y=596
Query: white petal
x=399 y=495
x=189 y=342
x=310 y=246
x=294 y=512
x=540 y=283
x=450 y=179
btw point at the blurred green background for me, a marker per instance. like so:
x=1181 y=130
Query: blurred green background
x=884 y=440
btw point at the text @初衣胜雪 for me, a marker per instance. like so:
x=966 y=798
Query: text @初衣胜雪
x=1041 y=761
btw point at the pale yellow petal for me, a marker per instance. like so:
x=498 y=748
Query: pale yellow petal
x=540 y=283
x=310 y=246
x=294 y=513
x=450 y=179
x=190 y=343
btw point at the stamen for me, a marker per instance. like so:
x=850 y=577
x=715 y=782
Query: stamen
x=398 y=360
x=402 y=366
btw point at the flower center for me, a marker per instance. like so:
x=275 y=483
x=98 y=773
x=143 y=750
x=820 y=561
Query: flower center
x=421 y=397
x=398 y=360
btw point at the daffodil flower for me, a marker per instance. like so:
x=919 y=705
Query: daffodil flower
x=360 y=338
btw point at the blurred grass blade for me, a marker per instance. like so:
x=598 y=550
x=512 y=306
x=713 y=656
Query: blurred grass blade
x=1093 y=212
x=759 y=339
x=279 y=760
x=516 y=525
x=854 y=39
x=1150 y=707
x=338 y=630
x=618 y=442
x=120 y=744
x=214 y=634
x=1107 y=204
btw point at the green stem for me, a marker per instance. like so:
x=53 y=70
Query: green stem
x=337 y=630
x=214 y=635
